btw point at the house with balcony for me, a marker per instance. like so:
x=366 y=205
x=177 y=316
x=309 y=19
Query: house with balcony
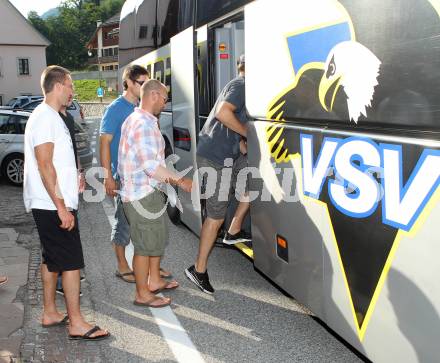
x=22 y=55
x=103 y=46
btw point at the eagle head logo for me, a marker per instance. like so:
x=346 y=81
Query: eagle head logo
x=354 y=67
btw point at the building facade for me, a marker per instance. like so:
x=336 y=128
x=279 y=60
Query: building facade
x=22 y=54
x=104 y=44
x=143 y=30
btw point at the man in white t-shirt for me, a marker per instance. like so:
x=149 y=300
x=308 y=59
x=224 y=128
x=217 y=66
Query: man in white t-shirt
x=50 y=191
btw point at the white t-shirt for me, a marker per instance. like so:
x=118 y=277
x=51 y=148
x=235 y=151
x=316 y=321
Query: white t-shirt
x=45 y=125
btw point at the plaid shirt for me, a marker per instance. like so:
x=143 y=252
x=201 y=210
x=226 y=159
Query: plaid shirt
x=141 y=151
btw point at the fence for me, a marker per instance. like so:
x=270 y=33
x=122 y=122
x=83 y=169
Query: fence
x=93 y=109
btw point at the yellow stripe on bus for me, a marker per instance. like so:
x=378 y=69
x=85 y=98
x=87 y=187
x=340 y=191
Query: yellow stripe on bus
x=245 y=249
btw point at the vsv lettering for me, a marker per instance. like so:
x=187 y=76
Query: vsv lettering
x=366 y=173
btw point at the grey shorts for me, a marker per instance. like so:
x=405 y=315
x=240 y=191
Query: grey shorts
x=148 y=227
x=219 y=184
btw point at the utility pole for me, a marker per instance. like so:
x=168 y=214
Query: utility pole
x=100 y=77
x=100 y=91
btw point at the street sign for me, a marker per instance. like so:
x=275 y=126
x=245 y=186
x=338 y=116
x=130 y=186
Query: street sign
x=100 y=92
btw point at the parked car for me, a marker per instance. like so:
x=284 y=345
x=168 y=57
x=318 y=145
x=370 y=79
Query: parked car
x=21 y=101
x=74 y=109
x=12 y=126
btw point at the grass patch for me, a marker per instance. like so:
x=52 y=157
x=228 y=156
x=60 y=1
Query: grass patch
x=85 y=90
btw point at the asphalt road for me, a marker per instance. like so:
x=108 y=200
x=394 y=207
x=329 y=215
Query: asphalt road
x=246 y=320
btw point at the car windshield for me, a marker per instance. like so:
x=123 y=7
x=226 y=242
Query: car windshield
x=32 y=105
x=11 y=102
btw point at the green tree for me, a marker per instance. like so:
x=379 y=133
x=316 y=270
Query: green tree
x=70 y=31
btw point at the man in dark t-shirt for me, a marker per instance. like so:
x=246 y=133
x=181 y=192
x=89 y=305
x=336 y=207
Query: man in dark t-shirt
x=221 y=144
x=220 y=140
x=70 y=123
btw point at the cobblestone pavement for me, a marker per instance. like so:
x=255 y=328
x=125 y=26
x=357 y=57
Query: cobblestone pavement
x=37 y=344
x=13 y=263
x=12 y=212
x=15 y=229
x=52 y=345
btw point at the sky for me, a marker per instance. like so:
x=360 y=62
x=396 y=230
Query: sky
x=40 y=6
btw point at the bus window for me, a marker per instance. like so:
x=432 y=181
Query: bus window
x=168 y=76
x=150 y=25
x=134 y=41
x=209 y=10
x=186 y=11
x=173 y=17
x=167 y=18
x=162 y=72
x=167 y=82
x=159 y=71
x=203 y=79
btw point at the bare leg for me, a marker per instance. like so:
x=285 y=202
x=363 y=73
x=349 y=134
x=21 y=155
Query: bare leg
x=155 y=270
x=141 y=266
x=156 y=281
x=120 y=258
x=208 y=235
x=71 y=286
x=165 y=273
x=122 y=261
x=50 y=311
x=240 y=214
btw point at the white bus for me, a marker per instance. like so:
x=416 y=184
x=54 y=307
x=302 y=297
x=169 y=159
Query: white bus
x=344 y=102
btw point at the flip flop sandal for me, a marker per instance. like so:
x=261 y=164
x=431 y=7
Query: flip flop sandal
x=64 y=321
x=165 y=274
x=148 y=303
x=123 y=276
x=4 y=281
x=87 y=336
x=169 y=286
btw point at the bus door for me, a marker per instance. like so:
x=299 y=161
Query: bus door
x=228 y=45
x=185 y=120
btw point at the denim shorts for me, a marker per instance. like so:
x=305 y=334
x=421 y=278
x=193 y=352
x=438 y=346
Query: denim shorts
x=121 y=229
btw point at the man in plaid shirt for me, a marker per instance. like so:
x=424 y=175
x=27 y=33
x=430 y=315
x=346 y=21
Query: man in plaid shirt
x=141 y=167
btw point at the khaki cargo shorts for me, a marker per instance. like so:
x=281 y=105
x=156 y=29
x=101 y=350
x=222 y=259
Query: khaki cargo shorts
x=148 y=225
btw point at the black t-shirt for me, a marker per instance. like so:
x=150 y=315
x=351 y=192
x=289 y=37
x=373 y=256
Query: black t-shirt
x=216 y=141
x=70 y=123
